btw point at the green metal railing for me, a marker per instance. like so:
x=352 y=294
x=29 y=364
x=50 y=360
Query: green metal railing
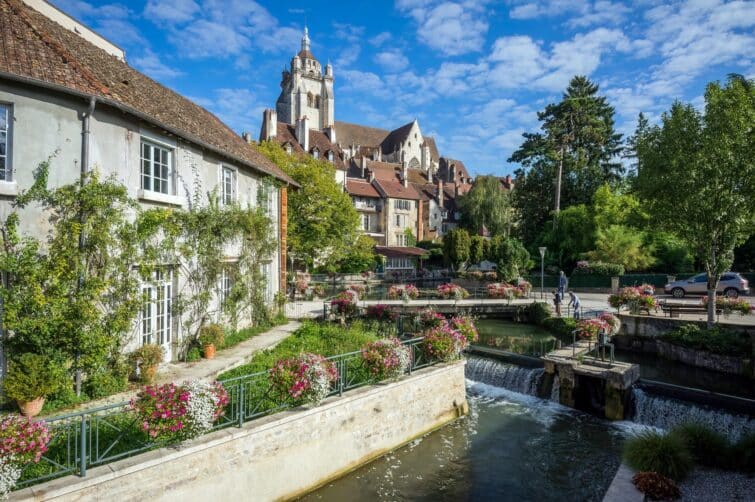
x=98 y=436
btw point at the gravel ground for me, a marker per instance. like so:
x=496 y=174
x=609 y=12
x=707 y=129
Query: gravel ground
x=705 y=485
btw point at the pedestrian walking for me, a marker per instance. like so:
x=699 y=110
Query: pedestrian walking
x=562 y=282
x=557 y=302
x=574 y=300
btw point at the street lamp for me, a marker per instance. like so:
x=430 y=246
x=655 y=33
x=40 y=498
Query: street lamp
x=542 y=268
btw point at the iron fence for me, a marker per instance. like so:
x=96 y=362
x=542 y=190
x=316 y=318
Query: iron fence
x=98 y=436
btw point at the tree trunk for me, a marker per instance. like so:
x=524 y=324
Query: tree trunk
x=712 y=285
x=557 y=205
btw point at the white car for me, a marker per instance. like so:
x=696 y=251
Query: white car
x=731 y=284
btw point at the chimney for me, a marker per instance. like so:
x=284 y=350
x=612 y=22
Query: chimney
x=371 y=175
x=364 y=165
x=247 y=137
x=430 y=175
x=302 y=132
x=269 y=124
x=379 y=154
x=331 y=133
x=456 y=189
x=405 y=174
x=440 y=193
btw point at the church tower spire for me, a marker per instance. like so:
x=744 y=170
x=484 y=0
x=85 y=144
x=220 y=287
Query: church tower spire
x=305 y=40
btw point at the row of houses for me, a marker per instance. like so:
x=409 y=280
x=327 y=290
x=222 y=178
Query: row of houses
x=66 y=90
x=403 y=189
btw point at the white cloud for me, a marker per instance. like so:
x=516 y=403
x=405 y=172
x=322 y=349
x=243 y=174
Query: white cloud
x=203 y=38
x=150 y=64
x=582 y=13
x=380 y=39
x=392 y=60
x=453 y=28
x=171 y=10
x=348 y=56
x=364 y=82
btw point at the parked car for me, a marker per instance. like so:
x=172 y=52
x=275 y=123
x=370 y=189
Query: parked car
x=731 y=284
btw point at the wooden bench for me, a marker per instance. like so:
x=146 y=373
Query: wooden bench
x=674 y=309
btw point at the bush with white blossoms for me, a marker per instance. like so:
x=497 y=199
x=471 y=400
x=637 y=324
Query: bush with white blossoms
x=9 y=474
x=386 y=359
x=205 y=406
x=304 y=379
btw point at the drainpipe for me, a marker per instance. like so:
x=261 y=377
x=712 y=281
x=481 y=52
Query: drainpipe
x=85 y=136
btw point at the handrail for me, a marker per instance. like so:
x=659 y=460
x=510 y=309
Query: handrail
x=108 y=433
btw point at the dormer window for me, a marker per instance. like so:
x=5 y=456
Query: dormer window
x=330 y=156
x=289 y=148
x=316 y=153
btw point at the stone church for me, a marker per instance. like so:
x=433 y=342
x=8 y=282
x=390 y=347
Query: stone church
x=401 y=186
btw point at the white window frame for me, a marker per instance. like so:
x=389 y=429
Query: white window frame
x=156 y=318
x=402 y=204
x=7 y=170
x=170 y=179
x=226 y=286
x=229 y=188
x=366 y=223
x=316 y=153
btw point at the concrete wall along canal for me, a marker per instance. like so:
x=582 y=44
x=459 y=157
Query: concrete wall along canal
x=280 y=456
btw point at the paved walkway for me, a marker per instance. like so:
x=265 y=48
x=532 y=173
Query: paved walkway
x=206 y=368
x=589 y=301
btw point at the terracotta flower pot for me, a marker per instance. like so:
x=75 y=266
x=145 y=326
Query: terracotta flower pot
x=31 y=408
x=209 y=351
x=148 y=373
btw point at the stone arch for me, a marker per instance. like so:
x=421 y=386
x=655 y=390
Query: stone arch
x=414 y=163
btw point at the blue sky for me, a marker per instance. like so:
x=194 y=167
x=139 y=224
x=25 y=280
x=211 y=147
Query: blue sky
x=473 y=72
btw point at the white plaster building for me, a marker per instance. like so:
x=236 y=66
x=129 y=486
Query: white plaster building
x=63 y=94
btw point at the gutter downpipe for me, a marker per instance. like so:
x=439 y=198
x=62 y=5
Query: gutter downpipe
x=85 y=136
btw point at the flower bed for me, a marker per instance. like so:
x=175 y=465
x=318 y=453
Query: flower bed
x=612 y=322
x=589 y=328
x=428 y=318
x=465 y=326
x=446 y=341
x=381 y=312
x=386 y=359
x=304 y=379
x=508 y=291
x=635 y=298
x=403 y=292
x=173 y=412
x=451 y=290
x=22 y=442
x=359 y=289
x=729 y=305
x=345 y=303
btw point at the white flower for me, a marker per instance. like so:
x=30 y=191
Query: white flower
x=9 y=474
x=200 y=408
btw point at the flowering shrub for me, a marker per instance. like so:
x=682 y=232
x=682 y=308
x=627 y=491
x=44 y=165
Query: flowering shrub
x=508 y=291
x=387 y=358
x=428 y=318
x=403 y=291
x=465 y=325
x=23 y=439
x=359 y=289
x=318 y=290
x=304 y=379
x=173 y=412
x=611 y=321
x=345 y=303
x=634 y=297
x=729 y=305
x=302 y=282
x=589 y=328
x=381 y=312
x=444 y=343
x=451 y=290
x=10 y=471
x=525 y=287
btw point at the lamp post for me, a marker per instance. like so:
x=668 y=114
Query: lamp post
x=542 y=268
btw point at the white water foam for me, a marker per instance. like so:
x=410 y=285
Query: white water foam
x=508 y=376
x=665 y=413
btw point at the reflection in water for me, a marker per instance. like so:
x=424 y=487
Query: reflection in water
x=515 y=337
x=510 y=447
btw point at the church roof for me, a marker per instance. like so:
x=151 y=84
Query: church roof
x=396 y=137
x=42 y=52
x=306 y=54
x=348 y=134
x=445 y=169
x=384 y=170
x=433 y=148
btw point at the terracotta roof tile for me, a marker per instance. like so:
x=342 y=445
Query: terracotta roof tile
x=396 y=190
x=395 y=251
x=434 y=155
x=361 y=188
x=36 y=48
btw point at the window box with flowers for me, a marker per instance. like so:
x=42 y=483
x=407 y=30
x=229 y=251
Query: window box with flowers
x=403 y=292
x=386 y=359
x=304 y=379
x=452 y=291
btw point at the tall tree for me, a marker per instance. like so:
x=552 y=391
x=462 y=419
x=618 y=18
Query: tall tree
x=323 y=224
x=575 y=153
x=487 y=205
x=456 y=245
x=697 y=174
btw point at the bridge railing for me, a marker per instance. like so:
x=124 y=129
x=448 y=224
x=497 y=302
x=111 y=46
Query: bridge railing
x=101 y=435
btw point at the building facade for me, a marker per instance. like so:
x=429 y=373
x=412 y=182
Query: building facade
x=72 y=100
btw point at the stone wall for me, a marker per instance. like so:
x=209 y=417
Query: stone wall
x=651 y=326
x=281 y=456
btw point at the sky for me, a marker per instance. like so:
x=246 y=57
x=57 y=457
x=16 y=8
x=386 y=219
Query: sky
x=473 y=72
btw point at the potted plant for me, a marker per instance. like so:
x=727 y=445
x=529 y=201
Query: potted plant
x=31 y=378
x=210 y=337
x=145 y=361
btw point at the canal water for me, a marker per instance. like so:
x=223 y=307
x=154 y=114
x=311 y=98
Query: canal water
x=515 y=337
x=511 y=446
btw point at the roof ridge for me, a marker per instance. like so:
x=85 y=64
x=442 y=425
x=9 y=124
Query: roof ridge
x=61 y=51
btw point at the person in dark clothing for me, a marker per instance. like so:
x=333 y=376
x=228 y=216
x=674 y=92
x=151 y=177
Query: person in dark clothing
x=562 y=282
x=557 y=302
